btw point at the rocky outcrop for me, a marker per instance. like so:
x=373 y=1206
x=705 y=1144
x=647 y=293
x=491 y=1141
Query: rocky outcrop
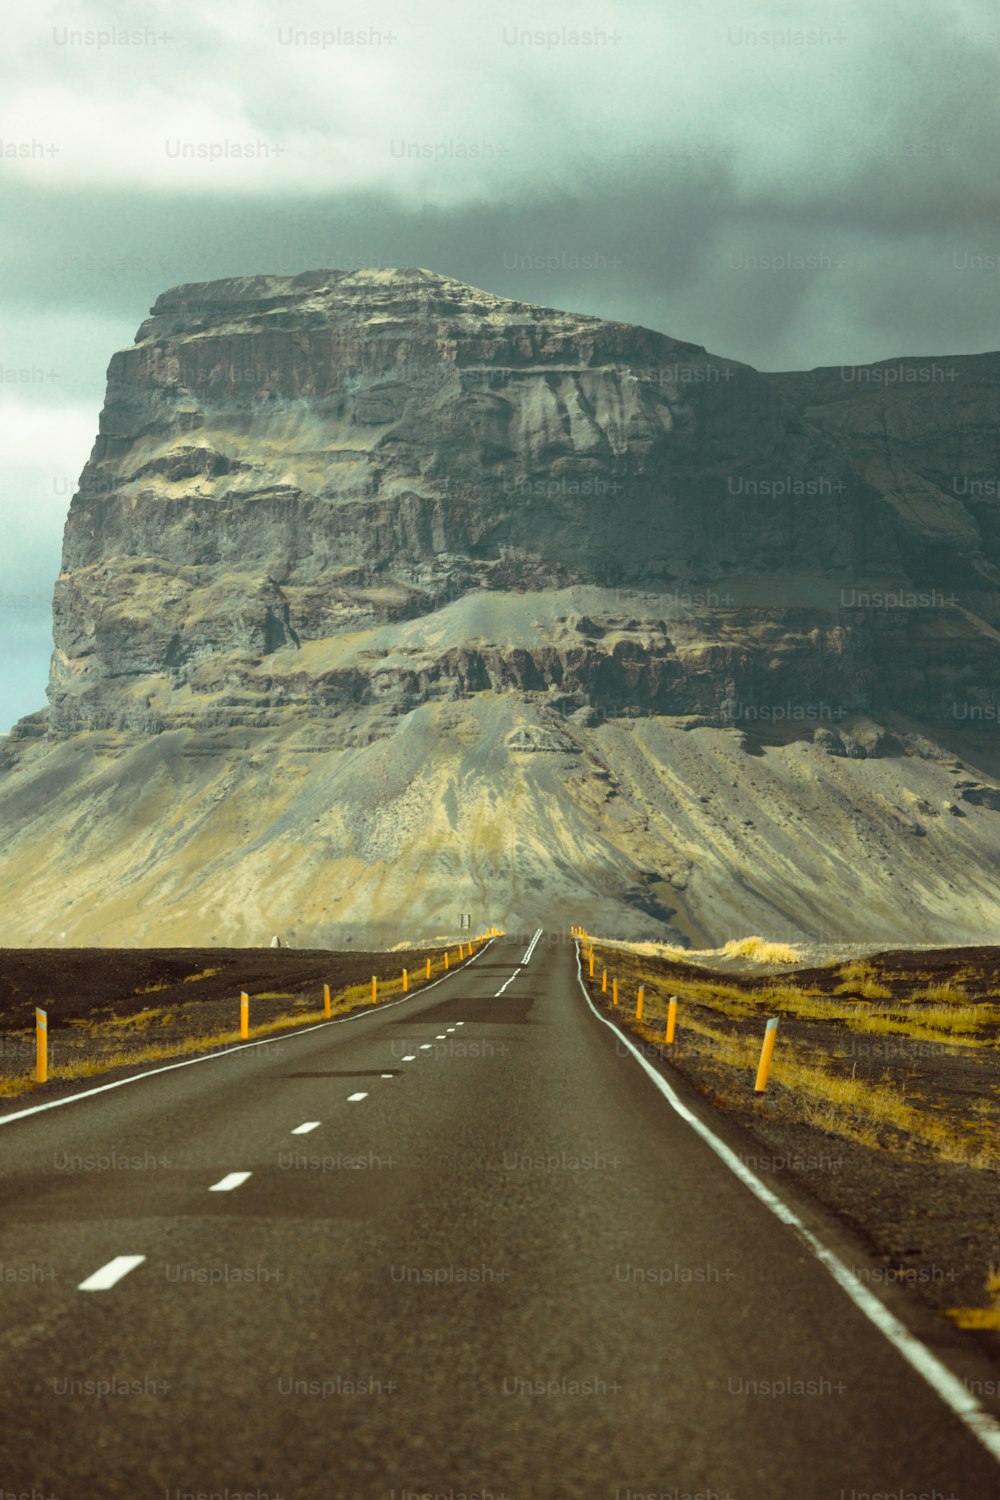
x=288 y=460
x=328 y=509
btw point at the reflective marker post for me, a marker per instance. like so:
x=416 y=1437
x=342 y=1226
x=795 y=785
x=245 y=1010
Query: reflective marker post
x=41 y=1046
x=766 y=1053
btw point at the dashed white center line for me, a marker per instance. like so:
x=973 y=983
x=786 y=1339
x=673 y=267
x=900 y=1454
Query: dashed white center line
x=440 y=1037
x=355 y=1098
x=459 y=1023
x=426 y=1046
x=531 y=946
x=410 y=1057
x=305 y=1129
x=451 y=1028
x=113 y=1272
x=388 y=1075
x=230 y=1181
x=507 y=982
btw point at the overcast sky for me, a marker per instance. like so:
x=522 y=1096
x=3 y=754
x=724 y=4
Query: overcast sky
x=643 y=161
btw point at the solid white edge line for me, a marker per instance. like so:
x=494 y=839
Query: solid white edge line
x=941 y=1380
x=229 y=1182
x=356 y=1098
x=307 y=1127
x=109 y=1275
x=264 y=1041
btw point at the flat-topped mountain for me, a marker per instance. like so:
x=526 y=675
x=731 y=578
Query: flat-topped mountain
x=382 y=594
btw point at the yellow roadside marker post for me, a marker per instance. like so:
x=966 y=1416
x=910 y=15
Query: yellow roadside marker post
x=638 y=1002
x=614 y=992
x=374 y=989
x=41 y=1046
x=326 y=1000
x=406 y=981
x=428 y=969
x=766 y=1053
x=446 y=959
x=591 y=965
x=604 y=982
x=244 y=1014
x=671 y=1020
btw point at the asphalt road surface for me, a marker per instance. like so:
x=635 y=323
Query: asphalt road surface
x=460 y=1246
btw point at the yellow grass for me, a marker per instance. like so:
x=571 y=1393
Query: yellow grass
x=976 y=1317
x=760 y=951
x=141 y=1020
x=860 y=978
x=757 y=949
x=950 y=991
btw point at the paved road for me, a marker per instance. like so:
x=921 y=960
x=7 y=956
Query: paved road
x=499 y=1264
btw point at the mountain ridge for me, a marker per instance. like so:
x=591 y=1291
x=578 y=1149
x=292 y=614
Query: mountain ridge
x=330 y=511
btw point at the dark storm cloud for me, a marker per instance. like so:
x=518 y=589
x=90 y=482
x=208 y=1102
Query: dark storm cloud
x=677 y=255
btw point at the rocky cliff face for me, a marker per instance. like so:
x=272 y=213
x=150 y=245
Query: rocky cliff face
x=350 y=513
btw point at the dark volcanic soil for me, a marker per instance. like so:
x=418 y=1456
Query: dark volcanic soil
x=74 y=983
x=107 y=1005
